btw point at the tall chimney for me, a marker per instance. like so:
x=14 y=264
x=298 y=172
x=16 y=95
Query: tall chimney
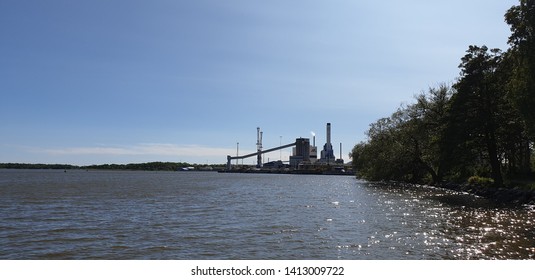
x=329 y=134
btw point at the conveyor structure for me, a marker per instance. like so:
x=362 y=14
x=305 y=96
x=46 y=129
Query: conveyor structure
x=257 y=154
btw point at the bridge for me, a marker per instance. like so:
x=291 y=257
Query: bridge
x=257 y=154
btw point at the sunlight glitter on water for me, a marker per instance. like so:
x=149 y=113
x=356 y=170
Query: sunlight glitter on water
x=177 y=215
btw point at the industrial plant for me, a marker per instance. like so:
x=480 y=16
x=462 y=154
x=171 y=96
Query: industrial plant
x=304 y=158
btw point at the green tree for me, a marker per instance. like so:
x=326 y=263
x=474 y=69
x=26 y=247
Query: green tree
x=521 y=19
x=384 y=156
x=406 y=145
x=482 y=126
x=476 y=109
x=428 y=118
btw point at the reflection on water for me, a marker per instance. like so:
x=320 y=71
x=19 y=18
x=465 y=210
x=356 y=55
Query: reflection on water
x=430 y=223
x=205 y=215
x=500 y=233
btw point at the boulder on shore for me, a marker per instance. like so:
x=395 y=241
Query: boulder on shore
x=500 y=194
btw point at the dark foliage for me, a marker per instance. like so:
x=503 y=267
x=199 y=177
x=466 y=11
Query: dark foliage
x=482 y=125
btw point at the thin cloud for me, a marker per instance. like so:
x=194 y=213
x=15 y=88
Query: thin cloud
x=153 y=149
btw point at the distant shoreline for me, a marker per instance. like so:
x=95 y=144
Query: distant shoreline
x=165 y=166
x=517 y=196
x=148 y=166
x=292 y=172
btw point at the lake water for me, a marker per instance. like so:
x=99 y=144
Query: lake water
x=48 y=214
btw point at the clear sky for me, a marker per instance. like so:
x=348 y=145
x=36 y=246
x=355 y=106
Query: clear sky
x=120 y=81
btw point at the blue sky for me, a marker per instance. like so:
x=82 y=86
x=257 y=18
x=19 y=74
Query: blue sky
x=91 y=82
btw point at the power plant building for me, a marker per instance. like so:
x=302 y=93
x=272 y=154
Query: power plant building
x=327 y=154
x=304 y=153
x=313 y=153
x=304 y=156
x=301 y=152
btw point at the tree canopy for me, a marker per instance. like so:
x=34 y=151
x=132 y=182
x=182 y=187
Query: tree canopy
x=481 y=125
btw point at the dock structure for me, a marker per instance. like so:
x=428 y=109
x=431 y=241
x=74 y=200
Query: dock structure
x=258 y=154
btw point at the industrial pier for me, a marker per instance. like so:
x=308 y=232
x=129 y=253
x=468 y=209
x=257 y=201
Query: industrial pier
x=304 y=158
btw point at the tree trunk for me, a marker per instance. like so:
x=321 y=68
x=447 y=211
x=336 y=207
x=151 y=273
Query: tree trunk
x=525 y=158
x=495 y=165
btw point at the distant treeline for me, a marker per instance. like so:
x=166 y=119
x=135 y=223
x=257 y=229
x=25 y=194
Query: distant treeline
x=482 y=127
x=37 y=166
x=152 y=166
x=149 y=166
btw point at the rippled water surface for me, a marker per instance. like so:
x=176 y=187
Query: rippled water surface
x=206 y=215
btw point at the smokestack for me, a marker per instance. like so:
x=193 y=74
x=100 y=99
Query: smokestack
x=340 y=150
x=259 y=139
x=329 y=134
x=259 y=147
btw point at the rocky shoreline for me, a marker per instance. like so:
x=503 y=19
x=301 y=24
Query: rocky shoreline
x=503 y=195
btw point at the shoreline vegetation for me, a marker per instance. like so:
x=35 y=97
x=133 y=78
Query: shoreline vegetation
x=517 y=195
x=475 y=135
